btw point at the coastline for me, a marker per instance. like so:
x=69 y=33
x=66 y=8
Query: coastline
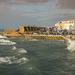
x=37 y=36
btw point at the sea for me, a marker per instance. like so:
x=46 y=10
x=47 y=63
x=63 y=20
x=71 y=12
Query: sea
x=19 y=56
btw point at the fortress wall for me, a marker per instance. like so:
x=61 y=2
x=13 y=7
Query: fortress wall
x=48 y=37
x=10 y=30
x=1 y=33
x=15 y=35
x=35 y=36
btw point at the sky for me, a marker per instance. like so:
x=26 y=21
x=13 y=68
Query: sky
x=15 y=13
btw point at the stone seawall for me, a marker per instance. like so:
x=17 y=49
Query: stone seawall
x=35 y=36
x=48 y=37
x=1 y=33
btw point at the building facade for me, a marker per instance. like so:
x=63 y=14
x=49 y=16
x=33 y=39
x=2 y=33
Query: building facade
x=66 y=25
x=62 y=25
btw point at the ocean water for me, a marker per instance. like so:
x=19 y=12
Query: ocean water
x=36 y=57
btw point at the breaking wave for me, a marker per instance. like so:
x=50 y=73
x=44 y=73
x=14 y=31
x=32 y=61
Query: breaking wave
x=71 y=45
x=14 y=48
x=19 y=50
x=6 y=42
x=12 y=60
x=2 y=36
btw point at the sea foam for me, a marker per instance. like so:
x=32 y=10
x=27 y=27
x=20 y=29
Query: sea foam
x=2 y=36
x=33 y=40
x=6 y=42
x=12 y=60
x=14 y=48
x=71 y=45
x=19 y=50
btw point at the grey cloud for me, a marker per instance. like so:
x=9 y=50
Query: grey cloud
x=66 y=4
x=5 y=1
x=21 y=2
x=34 y=1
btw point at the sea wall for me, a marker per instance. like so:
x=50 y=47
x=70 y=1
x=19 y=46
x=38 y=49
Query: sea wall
x=71 y=37
x=13 y=35
x=48 y=37
x=35 y=36
x=1 y=33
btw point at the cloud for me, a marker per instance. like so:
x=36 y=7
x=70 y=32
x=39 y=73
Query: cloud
x=66 y=4
x=10 y=3
x=63 y=4
x=6 y=1
x=33 y=1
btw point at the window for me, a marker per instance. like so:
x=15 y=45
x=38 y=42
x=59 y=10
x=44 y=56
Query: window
x=71 y=22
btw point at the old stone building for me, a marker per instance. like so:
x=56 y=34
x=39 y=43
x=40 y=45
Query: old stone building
x=30 y=29
x=68 y=25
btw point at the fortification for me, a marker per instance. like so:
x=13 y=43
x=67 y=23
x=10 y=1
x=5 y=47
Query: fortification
x=10 y=30
x=33 y=32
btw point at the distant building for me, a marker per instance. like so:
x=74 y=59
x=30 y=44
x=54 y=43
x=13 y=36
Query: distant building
x=66 y=25
x=71 y=23
x=30 y=29
x=62 y=25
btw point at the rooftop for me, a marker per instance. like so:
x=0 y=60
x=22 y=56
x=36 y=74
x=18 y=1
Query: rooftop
x=71 y=19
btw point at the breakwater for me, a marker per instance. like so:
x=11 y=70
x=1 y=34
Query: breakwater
x=48 y=37
x=33 y=32
x=35 y=36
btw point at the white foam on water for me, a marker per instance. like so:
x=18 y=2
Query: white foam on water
x=21 y=50
x=71 y=45
x=14 y=48
x=22 y=60
x=2 y=36
x=30 y=68
x=33 y=40
x=12 y=60
x=7 y=60
x=6 y=42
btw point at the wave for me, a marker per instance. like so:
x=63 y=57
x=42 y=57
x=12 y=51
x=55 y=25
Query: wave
x=21 y=50
x=71 y=45
x=14 y=48
x=33 y=40
x=6 y=42
x=22 y=60
x=12 y=60
x=2 y=36
x=33 y=70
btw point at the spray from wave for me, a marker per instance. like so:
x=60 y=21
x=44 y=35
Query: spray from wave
x=71 y=45
x=3 y=41
x=2 y=36
x=6 y=42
